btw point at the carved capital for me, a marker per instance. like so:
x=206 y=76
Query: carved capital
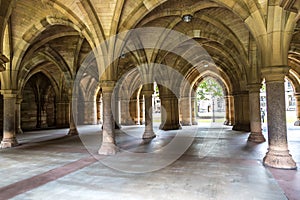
x=275 y=73
x=107 y=86
x=254 y=87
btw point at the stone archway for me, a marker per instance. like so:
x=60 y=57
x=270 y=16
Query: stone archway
x=38 y=108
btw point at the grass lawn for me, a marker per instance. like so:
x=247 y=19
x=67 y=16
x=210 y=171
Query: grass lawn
x=291 y=117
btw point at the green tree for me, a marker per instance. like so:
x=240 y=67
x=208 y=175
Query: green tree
x=209 y=87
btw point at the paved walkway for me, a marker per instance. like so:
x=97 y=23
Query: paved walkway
x=219 y=164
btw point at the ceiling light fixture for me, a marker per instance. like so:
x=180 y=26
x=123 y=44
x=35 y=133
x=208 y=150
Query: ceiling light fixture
x=187 y=18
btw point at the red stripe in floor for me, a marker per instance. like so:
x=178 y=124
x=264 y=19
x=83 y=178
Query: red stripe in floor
x=289 y=181
x=41 y=179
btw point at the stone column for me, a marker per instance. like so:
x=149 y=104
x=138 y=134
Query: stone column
x=90 y=115
x=278 y=154
x=255 y=118
x=231 y=110
x=18 y=115
x=297 y=97
x=193 y=110
x=241 y=111
x=116 y=112
x=99 y=110
x=73 y=116
x=108 y=146
x=62 y=114
x=169 y=118
x=133 y=110
x=186 y=111
x=227 y=111
x=125 y=112
x=141 y=101
x=9 y=119
x=149 y=133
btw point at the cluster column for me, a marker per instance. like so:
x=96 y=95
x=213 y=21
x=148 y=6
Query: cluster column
x=278 y=154
x=255 y=118
x=108 y=146
x=9 y=119
x=149 y=133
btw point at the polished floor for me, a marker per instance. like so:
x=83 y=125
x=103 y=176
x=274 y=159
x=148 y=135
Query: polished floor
x=219 y=164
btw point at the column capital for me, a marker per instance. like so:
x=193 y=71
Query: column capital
x=9 y=93
x=147 y=92
x=107 y=85
x=254 y=87
x=275 y=73
x=3 y=60
x=239 y=93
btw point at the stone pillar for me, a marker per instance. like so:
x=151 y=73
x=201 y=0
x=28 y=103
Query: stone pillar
x=169 y=118
x=116 y=112
x=193 y=109
x=99 y=110
x=141 y=102
x=18 y=115
x=185 y=106
x=297 y=97
x=241 y=112
x=148 y=134
x=62 y=114
x=108 y=146
x=227 y=111
x=73 y=116
x=255 y=118
x=90 y=115
x=9 y=119
x=278 y=154
x=133 y=110
x=125 y=112
x=231 y=110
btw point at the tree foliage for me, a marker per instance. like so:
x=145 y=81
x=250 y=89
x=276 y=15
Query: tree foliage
x=209 y=87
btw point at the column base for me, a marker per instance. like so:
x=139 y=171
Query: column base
x=241 y=127
x=8 y=143
x=149 y=135
x=73 y=131
x=256 y=137
x=279 y=159
x=194 y=123
x=297 y=123
x=19 y=131
x=117 y=126
x=108 y=148
x=186 y=124
x=227 y=123
x=167 y=127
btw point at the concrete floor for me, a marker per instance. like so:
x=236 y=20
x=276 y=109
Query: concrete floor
x=220 y=164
